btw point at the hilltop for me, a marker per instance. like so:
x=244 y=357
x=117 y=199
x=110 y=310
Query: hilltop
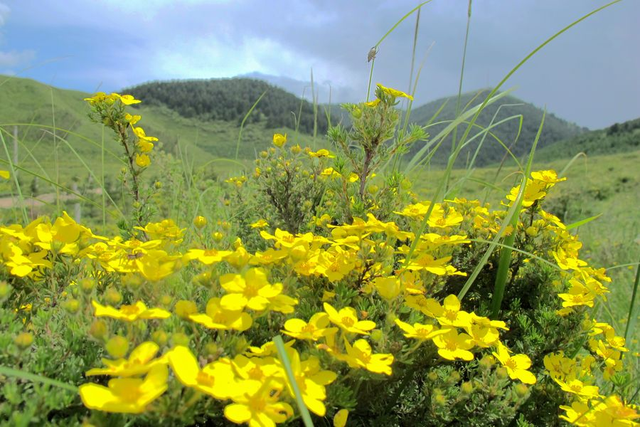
x=230 y=100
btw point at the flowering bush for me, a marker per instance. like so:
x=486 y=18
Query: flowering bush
x=388 y=313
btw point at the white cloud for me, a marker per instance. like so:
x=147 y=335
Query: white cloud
x=4 y=13
x=16 y=59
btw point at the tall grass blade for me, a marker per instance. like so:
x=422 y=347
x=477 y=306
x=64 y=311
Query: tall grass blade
x=12 y=169
x=377 y=45
x=631 y=317
x=284 y=359
x=10 y=372
x=244 y=119
x=583 y=222
x=505 y=253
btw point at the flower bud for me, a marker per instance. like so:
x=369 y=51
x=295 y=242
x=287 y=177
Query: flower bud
x=486 y=362
x=296 y=149
x=454 y=377
x=377 y=335
x=211 y=349
x=199 y=222
x=532 y=231
x=502 y=373
x=23 y=340
x=157 y=185
x=166 y=300
x=159 y=337
x=185 y=308
x=117 y=347
x=466 y=387
x=87 y=285
x=112 y=296
x=99 y=330
x=373 y=189
x=521 y=390
x=226 y=225
x=71 y=305
x=179 y=338
x=5 y=290
x=439 y=398
x=432 y=376
x=217 y=236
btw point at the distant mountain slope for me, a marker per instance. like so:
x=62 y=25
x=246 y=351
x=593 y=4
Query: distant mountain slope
x=36 y=107
x=621 y=137
x=230 y=100
x=555 y=129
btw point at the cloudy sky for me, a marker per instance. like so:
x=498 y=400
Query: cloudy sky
x=590 y=75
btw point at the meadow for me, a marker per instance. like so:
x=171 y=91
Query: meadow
x=191 y=265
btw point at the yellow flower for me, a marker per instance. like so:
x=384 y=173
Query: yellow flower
x=578 y=414
x=322 y=153
x=311 y=380
x=388 y=287
x=347 y=320
x=216 y=379
x=578 y=388
x=438 y=267
x=419 y=331
x=258 y=405
x=372 y=104
x=129 y=99
x=516 y=365
x=130 y=313
x=394 y=92
x=484 y=331
x=142 y=160
x=314 y=330
x=132 y=119
x=199 y=222
x=252 y=291
x=206 y=256
x=139 y=362
x=340 y=418
x=5 y=174
x=261 y=223
x=452 y=345
x=360 y=356
x=126 y=395
x=279 y=140
x=218 y=317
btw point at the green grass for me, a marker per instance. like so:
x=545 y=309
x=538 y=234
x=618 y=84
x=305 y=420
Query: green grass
x=606 y=185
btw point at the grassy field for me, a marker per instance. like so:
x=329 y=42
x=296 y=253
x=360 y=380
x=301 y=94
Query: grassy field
x=605 y=185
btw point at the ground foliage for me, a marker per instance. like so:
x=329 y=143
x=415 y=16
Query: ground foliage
x=329 y=249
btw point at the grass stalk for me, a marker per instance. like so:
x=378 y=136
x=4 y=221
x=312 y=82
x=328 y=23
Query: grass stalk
x=10 y=372
x=505 y=253
x=244 y=119
x=631 y=318
x=282 y=354
x=12 y=169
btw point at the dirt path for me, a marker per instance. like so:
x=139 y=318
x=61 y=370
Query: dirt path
x=41 y=200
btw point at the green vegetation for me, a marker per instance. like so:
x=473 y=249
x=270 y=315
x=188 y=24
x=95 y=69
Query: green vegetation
x=618 y=138
x=230 y=99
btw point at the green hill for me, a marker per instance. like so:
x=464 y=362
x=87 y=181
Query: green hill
x=34 y=109
x=619 y=138
x=230 y=99
x=555 y=129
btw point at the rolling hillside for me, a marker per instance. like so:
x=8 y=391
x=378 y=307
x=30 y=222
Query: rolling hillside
x=619 y=138
x=555 y=129
x=35 y=108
